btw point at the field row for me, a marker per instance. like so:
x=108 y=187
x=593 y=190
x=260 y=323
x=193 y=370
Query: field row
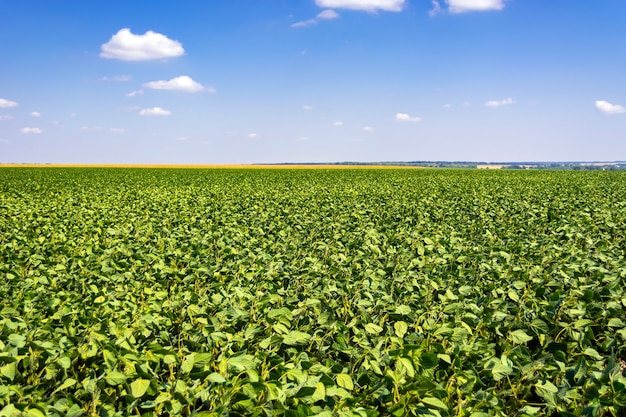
x=312 y=292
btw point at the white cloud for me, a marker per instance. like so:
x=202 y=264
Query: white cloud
x=7 y=103
x=447 y=106
x=117 y=130
x=90 y=128
x=127 y=46
x=436 y=8
x=463 y=6
x=117 y=78
x=182 y=83
x=3 y=140
x=608 y=108
x=367 y=5
x=34 y=130
x=368 y=129
x=323 y=15
x=304 y=23
x=496 y=103
x=252 y=135
x=303 y=138
x=307 y=107
x=328 y=15
x=181 y=138
x=134 y=93
x=155 y=111
x=337 y=124
x=6 y=117
x=404 y=117
x=35 y=114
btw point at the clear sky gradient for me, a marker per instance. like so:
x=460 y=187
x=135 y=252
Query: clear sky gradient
x=253 y=81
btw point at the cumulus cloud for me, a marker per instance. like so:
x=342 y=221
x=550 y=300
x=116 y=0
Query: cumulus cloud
x=608 y=108
x=337 y=124
x=368 y=129
x=366 y=5
x=35 y=114
x=182 y=83
x=7 y=103
x=6 y=117
x=328 y=15
x=127 y=46
x=496 y=103
x=447 y=106
x=117 y=78
x=436 y=8
x=307 y=107
x=134 y=93
x=155 y=111
x=304 y=23
x=252 y=135
x=323 y=15
x=404 y=117
x=31 y=130
x=117 y=130
x=464 y=6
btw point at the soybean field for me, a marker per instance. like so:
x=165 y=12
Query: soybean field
x=312 y=292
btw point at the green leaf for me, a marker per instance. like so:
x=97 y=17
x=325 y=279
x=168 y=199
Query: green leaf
x=17 y=340
x=530 y=410
x=546 y=390
x=188 y=363
x=582 y=323
x=519 y=337
x=295 y=337
x=500 y=371
x=69 y=382
x=242 y=362
x=216 y=378
x=74 y=411
x=9 y=370
x=400 y=328
x=372 y=328
x=435 y=402
x=403 y=310
x=33 y=412
x=592 y=353
x=320 y=392
x=444 y=357
x=64 y=362
x=344 y=381
x=115 y=378
x=139 y=387
x=405 y=366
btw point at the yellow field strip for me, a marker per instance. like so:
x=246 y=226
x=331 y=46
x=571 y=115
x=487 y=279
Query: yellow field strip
x=212 y=166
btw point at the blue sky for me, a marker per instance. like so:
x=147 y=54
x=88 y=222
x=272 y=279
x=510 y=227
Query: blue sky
x=252 y=81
